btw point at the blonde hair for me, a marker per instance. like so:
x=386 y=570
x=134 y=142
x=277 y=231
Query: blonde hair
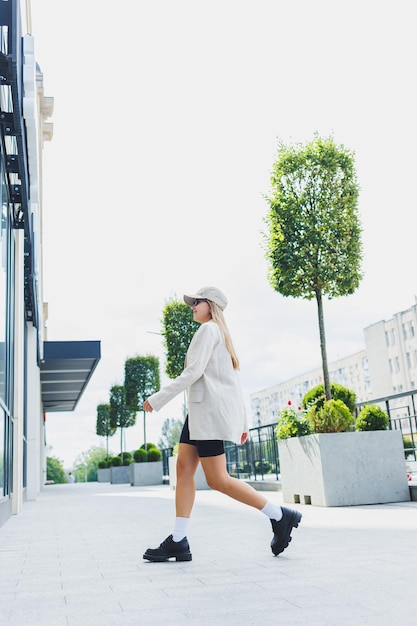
x=218 y=317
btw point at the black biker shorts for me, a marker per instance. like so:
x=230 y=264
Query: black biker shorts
x=209 y=447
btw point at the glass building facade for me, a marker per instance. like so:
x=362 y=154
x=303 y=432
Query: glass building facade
x=36 y=376
x=7 y=283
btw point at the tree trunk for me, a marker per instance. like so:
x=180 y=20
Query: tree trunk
x=121 y=443
x=326 y=380
x=144 y=429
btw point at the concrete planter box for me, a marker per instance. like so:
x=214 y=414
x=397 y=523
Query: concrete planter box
x=200 y=479
x=344 y=469
x=120 y=475
x=146 y=473
x=103 y=475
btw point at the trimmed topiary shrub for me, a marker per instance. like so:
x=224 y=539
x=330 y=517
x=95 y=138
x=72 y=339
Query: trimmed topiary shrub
x=103 y=465
x=333 y=417
x=140 y=455
x=127 y=458
x=116 y=461
x=263 y=467
x=315 y=396
x=371 y=417
x=154 y=454
x=148 y=446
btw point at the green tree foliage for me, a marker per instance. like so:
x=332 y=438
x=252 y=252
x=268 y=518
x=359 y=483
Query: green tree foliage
x=124 y=457
x=86 y=464
x=178 y=328
x=148 y=445
x=140 y=455
x=339 y=392
x=372 y=417
x=314 y=234
x=291 y=423
x=154 y=454
x=332 y=417
x=141 y=381
x=408 y=447
x=104 y=427
x=55 y=470
x=170 y=433
x=121 y=415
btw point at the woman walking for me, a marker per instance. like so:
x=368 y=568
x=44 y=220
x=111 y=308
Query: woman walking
x=216 y=413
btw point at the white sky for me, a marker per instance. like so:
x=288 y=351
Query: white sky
x=166 y=121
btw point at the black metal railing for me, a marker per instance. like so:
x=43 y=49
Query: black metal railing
x=166 y=453
x=402 y=413
x=408 y=427
x=258 y=459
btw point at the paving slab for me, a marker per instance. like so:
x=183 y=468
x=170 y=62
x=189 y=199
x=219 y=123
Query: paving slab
x=73 y=557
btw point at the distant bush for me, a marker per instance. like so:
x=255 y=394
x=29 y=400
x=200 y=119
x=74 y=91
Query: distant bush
x=154 y=455
x=148 y=446
x=371 y=417
x=332 y=417
x=316 y=396
x=127 y=458
x=140 y=455
x=262 y=467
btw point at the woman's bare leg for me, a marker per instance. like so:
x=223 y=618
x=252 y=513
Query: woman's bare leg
x=217 y=478
x=187 y=463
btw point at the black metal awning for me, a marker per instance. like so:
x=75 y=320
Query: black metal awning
x=66 y=369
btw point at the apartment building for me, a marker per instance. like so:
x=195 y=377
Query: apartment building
x=386 y=366
x=392 y=353
x=36 y=375
x=351 y=371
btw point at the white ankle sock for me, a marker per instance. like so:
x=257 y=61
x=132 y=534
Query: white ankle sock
x=272 y=511
x=180 y=528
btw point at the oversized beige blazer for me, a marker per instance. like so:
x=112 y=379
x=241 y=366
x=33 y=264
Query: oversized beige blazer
x=216 y=409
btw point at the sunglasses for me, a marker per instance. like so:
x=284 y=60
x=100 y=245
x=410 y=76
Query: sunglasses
x=197 y=302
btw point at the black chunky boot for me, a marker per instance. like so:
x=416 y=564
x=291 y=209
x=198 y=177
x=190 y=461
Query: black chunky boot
x=282 y=529
x=179 y=550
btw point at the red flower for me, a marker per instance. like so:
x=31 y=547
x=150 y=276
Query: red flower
x=289 y=402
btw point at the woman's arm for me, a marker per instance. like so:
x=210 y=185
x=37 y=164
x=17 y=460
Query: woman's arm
x=198 y=355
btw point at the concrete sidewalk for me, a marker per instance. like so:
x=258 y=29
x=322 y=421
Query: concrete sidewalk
x=74 y=558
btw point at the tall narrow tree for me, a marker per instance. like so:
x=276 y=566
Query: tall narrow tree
x=121 y=415
x=314 y=241
x=104 y=427
x=178 y=328
x=141 y=381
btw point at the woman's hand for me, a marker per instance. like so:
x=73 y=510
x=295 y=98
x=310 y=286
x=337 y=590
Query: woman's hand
x=244 y=438
x=147 y=407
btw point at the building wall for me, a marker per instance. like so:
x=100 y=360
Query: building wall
x=378 y=356
x=35 y=375
x=22 y=457
x=352 y=372
x=392 y=353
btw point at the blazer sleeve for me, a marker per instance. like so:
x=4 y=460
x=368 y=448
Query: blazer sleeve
x=198 y=355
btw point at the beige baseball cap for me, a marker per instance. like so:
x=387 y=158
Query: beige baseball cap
x=208 y=293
